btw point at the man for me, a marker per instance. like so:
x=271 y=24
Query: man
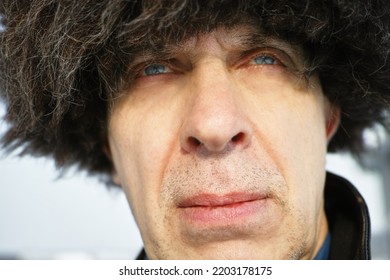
x=213 y=117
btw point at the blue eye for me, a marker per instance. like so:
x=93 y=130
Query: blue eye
x=155 y=69
x=264 y=60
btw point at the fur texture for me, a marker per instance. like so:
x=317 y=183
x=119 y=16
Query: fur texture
x=63 y=61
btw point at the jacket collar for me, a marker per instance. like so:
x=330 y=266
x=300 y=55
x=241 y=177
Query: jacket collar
x=348 y=218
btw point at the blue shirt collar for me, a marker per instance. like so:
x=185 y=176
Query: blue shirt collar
x=323 y=253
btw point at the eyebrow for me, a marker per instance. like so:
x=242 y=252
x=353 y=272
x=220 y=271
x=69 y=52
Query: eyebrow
x=241 y=38
x=253 y=38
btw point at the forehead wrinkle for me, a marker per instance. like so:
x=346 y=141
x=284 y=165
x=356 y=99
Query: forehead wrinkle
x=239 y=38
x=229 y=39
x=234 y=38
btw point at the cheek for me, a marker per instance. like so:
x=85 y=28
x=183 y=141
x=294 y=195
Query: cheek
x=291 y=126
x=126 y=161
x=306 y=151
x=141 y=144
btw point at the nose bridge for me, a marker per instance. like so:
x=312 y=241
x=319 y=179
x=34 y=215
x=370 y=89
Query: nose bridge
x=214 y=121
x=212 y=90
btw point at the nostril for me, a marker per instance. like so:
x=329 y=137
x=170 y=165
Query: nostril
x=238 y=138
x=194 y=142
x=215 y=143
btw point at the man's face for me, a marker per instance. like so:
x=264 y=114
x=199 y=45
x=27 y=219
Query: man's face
x=220 y=148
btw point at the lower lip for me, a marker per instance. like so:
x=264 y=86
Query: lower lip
x=223 y=214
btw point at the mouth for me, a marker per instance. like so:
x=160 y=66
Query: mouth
x=220 y=210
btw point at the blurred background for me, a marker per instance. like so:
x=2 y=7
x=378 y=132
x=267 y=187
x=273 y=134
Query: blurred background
x=78 y=217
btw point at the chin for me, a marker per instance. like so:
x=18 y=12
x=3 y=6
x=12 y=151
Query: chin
x=231 y=250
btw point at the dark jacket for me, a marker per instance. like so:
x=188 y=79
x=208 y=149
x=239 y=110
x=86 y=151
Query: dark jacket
x=349 y=222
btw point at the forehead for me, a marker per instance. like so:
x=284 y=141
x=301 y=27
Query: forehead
x=236 y=36
x=241 y=37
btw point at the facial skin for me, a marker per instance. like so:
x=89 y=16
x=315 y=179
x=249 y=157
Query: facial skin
x=220 y=148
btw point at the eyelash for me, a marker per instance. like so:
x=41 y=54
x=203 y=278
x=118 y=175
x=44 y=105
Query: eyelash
x=142 y=69
x=265 y=54
x=266 y=59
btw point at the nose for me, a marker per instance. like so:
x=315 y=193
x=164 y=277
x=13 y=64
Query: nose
x=214 y=121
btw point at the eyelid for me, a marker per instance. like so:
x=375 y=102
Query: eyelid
x=280 y=56
x=264 y=54
x=140 y=68
x=175 y=65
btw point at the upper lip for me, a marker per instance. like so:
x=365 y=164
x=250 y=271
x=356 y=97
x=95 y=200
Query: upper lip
x=215 y=200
